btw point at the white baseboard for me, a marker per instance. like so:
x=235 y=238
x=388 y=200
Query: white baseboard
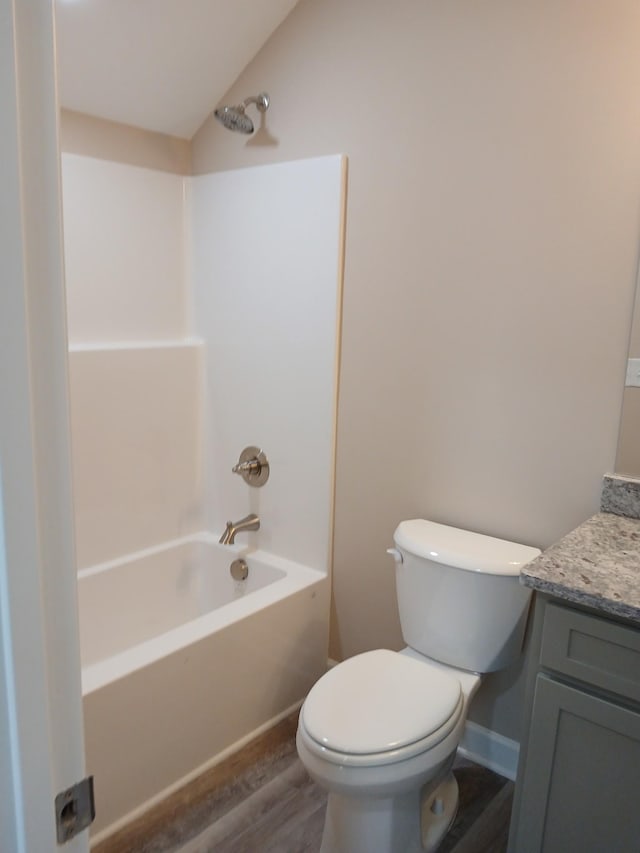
x=490 y=749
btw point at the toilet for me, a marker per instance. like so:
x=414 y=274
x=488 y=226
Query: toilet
x=380 y=731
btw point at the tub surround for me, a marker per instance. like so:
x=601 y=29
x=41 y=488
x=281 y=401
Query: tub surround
x=271 y=237
x=597 y=565
x=182 y=346
x=125 y=247
x=136 y=424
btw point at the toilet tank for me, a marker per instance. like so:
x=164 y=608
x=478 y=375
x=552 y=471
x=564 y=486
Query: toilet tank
x=459 y=595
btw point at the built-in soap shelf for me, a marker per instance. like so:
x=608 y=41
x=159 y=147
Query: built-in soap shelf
x=106 y=346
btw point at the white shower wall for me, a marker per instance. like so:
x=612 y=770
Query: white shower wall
x=124 y=230
x=203 y=316
x=266 y=248
x=136 y=427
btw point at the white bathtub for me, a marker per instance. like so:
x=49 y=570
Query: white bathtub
x=181 y=664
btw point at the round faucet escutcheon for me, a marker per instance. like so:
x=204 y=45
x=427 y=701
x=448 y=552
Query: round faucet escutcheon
x=253 y=466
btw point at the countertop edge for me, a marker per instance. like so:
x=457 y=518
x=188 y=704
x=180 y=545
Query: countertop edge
x=574 y=596
x=597 y=565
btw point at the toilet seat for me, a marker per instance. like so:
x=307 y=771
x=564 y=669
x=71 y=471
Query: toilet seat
x=380 y=707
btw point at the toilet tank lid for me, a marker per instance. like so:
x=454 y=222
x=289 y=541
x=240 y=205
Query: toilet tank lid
x=462 y=549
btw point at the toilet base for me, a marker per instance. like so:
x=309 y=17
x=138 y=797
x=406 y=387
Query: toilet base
x=439 y=810
x=410 y=822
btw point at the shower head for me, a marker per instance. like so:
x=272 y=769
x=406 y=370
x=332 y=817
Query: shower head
x=235 y=118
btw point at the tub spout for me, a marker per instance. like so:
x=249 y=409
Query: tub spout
x=249 y=522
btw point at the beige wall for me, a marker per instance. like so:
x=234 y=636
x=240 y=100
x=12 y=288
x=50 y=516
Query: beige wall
x=628 y=458
x=492 y=231
x=109 y=140
x=634 y=345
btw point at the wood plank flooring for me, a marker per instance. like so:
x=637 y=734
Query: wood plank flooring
x=262 y=801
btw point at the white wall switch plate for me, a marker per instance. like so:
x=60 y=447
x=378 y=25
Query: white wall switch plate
x=633 y=373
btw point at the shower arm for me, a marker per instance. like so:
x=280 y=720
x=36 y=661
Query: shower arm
x=261 y=101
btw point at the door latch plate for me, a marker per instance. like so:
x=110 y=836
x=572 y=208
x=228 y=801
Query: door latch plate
x=75 y=810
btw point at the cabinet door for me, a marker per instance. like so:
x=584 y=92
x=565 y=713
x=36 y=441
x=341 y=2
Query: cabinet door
x=582 y=777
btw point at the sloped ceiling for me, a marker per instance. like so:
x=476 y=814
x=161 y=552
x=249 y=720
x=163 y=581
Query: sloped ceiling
x=161 y=65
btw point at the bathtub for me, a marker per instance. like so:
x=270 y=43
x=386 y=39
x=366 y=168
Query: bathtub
x=181 y=664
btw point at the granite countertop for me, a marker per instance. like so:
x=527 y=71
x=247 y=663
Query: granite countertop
x=597 y=565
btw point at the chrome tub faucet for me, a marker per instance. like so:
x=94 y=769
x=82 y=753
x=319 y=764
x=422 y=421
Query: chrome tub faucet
x=249 y=522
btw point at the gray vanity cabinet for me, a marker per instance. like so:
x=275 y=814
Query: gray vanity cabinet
x=578 y=786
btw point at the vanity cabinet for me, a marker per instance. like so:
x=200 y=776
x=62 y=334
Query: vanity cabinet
x=578 y=786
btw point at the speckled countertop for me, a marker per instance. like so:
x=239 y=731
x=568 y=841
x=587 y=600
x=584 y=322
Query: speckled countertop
x=597 y=565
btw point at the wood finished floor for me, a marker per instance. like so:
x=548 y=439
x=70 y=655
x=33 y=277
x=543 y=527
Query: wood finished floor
x=262 y=801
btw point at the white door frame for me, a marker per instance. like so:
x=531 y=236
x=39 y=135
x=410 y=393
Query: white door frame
x=41 y=740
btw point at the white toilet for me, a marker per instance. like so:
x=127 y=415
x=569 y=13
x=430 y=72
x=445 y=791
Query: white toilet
x=380 y=731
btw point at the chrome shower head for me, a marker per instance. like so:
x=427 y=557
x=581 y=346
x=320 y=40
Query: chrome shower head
x=235 y=118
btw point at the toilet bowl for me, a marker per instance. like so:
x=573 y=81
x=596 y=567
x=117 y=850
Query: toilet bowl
x=380 y=731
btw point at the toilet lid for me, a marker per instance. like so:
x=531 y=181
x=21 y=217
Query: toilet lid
x=379 y=701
